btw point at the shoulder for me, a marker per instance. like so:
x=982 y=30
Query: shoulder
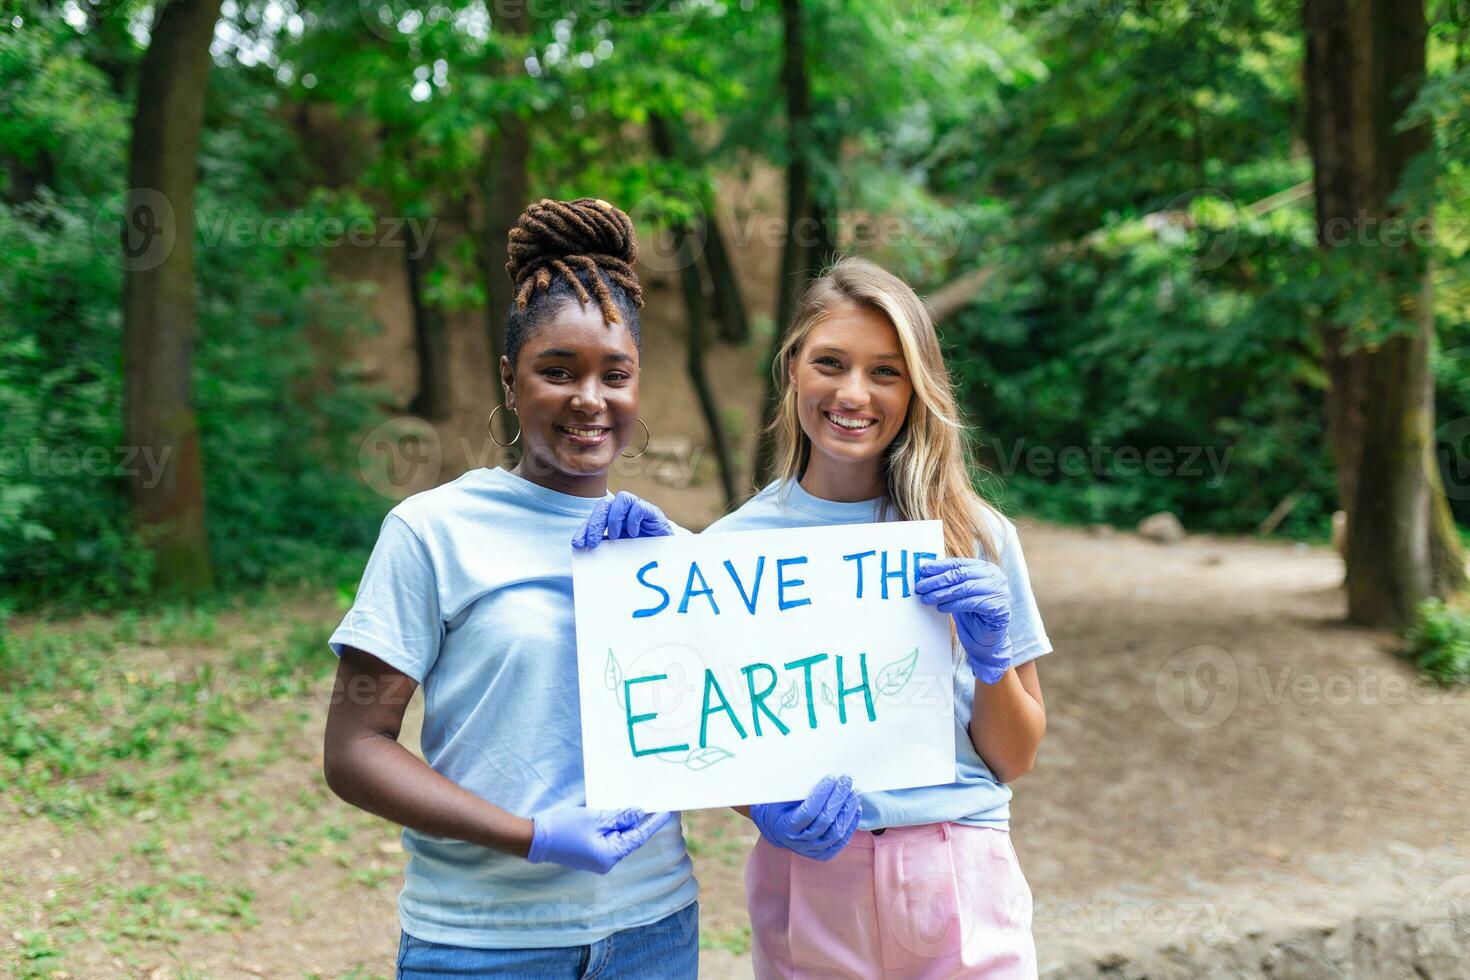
x=755 y=513
x=1000 y=528
x=429 y=510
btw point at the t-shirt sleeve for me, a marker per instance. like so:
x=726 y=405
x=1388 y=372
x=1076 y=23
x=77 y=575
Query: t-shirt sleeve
x=395 y=616
x=1028 y=634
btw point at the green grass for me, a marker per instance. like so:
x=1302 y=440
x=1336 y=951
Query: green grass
x=163 y=722
x=736 y=940
x=131 y=715
x=1438 y=642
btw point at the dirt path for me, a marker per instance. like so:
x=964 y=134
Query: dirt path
x=1222 y=758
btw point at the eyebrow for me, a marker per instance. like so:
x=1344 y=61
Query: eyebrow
x=617 y=357
x=828 y=348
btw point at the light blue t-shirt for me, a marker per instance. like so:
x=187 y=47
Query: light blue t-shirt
x=975 y=797
x=469 y=592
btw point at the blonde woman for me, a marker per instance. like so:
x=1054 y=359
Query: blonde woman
x=868 y=429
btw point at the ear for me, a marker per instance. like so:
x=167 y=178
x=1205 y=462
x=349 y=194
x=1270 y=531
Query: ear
x=508 y=382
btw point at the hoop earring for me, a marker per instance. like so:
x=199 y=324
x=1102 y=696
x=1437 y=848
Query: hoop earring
x=490 y=428
x=646 y=442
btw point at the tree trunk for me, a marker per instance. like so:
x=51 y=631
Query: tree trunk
x=729 y=299
x=665 y=143
x=694 y=350
x=1365 y=64
x=434 y=399
x=503 y=187
x=672 y=142
x=158 y=292
x=796 y=255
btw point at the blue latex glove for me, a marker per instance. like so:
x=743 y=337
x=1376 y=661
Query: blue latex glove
x=591 y=840
x=816 y=827
x=624 y=516
x=976 y=593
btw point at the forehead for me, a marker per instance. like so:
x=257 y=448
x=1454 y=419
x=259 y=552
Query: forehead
x=856 y=329
x=582 y=330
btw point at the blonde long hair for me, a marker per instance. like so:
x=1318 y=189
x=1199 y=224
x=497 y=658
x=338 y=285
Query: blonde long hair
x=926 y=469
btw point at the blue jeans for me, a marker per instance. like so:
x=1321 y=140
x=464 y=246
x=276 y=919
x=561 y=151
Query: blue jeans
x=664 y=950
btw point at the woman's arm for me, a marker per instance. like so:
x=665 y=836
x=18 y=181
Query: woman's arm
x=366 y=766
x=1008 y=721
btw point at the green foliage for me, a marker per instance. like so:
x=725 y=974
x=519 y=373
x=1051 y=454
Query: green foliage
x=1438 y=642
x=63 y=520
x=1142 y=300
x=280 y=417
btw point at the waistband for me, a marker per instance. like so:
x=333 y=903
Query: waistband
x=889 y=836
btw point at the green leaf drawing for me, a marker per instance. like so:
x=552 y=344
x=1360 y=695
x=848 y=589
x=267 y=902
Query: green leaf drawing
x=789 y=699
x=673 y=757
x=706 y=757
x=827 y=697
x=894 y=677
x=612 y=676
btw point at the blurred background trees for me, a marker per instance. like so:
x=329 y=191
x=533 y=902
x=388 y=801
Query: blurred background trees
x=1121 y=212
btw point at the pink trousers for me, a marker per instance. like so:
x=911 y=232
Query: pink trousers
x=934 y=901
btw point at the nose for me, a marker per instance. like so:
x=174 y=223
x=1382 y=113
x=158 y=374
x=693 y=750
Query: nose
x=587 y=398
x=852 y=391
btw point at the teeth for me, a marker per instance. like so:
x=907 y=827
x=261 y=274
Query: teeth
x=582 y=432
x=847 y=423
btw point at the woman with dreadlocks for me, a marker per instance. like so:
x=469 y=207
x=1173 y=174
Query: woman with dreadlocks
x=468 y=592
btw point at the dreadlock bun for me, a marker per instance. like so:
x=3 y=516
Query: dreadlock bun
x=586 y=242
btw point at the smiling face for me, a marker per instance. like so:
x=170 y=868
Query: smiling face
x=852 y=390
x=574 y=387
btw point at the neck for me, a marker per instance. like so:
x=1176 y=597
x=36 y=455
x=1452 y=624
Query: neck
x=843 y=482
x=591 y=485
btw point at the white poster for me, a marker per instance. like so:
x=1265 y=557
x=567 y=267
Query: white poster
x=722 y=669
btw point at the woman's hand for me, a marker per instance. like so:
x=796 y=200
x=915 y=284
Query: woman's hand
x=975 y=592
x=591 y=840
x=624 y=516
x=816 y=827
